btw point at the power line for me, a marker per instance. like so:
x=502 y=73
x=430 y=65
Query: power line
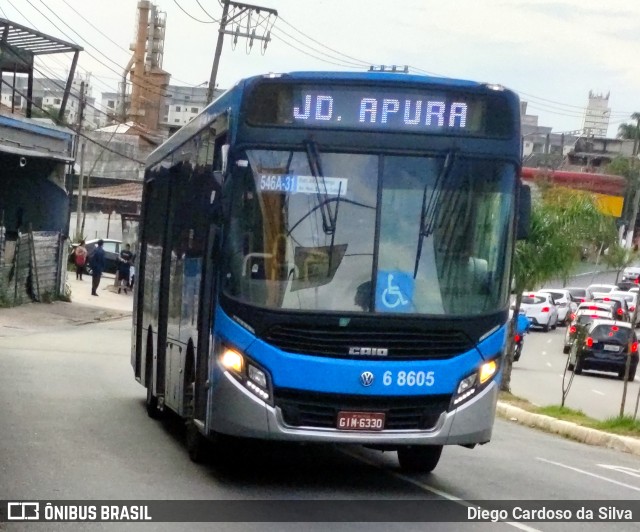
x=324 y=45
x=147 y=88
x=191 y=16
x=72 y=128
x=206 y=12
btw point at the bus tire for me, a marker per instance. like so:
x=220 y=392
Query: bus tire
x=197 y=444
x=419 y=458
x=151 y=404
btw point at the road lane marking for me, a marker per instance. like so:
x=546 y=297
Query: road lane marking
x=427 y=487
x=622 y=469
x=598 y=392
x=634 y=488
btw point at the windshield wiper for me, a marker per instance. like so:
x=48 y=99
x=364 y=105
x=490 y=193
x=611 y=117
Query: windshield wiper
x=329 y=218
x=431 y=207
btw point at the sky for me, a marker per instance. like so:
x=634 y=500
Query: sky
x=551 y=52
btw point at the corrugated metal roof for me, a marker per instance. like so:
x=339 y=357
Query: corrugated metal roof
x=32 y=41
x=131 y=192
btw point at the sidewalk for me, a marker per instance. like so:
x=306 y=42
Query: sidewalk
x=84 y=308
x=569 y=430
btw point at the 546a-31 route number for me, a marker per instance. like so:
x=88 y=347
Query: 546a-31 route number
x=408 y=378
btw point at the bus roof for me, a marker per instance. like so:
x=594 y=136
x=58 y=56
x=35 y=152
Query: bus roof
x=234 y=95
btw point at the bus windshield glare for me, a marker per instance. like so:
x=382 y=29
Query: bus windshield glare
x=302 y=232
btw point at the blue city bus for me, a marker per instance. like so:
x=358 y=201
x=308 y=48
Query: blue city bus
x=326 y=257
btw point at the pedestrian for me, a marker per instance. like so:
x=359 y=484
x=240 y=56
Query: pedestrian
x=97 y=262
x=124 y=268
x=80 y=259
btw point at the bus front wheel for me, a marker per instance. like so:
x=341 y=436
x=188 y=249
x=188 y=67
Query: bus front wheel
x=419 y=458
x=197 y=444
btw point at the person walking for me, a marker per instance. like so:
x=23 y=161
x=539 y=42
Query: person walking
x=97 y=262
x=79 y=259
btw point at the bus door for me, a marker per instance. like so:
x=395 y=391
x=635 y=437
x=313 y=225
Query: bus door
x=208 y=294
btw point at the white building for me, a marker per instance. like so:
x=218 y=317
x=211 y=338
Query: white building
x=48 y=94
x=597 y=115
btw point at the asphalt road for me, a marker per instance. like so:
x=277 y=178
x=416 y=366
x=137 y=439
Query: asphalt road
x=538 y=375
x=73 y=426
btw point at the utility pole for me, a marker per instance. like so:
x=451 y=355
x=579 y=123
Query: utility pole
x=252 y=18
x=78 y=235
x=80 y=117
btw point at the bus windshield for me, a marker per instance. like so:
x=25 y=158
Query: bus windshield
x=323 y=231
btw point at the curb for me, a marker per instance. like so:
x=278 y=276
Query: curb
x=569 y=430
x=100 y=319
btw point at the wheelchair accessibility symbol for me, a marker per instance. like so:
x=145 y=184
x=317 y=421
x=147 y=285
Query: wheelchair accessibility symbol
x=394 y=292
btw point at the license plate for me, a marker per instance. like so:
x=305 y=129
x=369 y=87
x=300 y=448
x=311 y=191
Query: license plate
x=608 y=347
x=360 y=421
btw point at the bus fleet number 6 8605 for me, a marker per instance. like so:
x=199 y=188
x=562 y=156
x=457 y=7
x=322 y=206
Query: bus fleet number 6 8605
x=408 y=378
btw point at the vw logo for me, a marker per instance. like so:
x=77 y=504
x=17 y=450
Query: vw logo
x=366 y=378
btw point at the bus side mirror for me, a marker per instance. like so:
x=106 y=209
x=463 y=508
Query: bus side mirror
x=523 y=221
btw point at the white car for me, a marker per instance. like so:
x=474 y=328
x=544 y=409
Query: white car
x=631 y=273
x=563 y=300
x=540 y=309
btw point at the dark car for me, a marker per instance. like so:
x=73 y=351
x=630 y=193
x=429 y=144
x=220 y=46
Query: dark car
x=618 y=303
x=606 y=346
x=111 y=248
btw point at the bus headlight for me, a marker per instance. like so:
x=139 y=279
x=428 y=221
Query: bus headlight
x=232 y=360
x=472 y=384
x=251 y=375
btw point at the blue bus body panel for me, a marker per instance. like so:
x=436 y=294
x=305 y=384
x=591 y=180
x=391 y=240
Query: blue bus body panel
x=333 y=375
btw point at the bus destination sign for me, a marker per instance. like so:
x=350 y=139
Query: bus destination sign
x=394 y=108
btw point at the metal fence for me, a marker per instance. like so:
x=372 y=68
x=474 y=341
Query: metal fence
x=31 y=267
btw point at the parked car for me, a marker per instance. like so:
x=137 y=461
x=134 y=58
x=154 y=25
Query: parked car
x=112 y=250
x=606 y=347
x=540 y=309
x=564 y=302
x=631 y=273
x=579 y=294
x=582 y=318
x=618 y=303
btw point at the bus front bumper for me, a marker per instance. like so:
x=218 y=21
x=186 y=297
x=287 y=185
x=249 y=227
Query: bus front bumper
x=237 y=412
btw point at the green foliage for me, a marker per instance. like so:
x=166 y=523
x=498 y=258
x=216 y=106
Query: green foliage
x=561 y=223
x=618 y=258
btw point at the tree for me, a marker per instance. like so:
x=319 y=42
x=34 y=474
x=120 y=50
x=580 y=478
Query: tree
x=561 y=221
x=619 y=257
x=625 y=167
x=631 y=131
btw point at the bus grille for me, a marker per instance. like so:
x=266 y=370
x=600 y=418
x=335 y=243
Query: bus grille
x=309 y=409
x=412 y=344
